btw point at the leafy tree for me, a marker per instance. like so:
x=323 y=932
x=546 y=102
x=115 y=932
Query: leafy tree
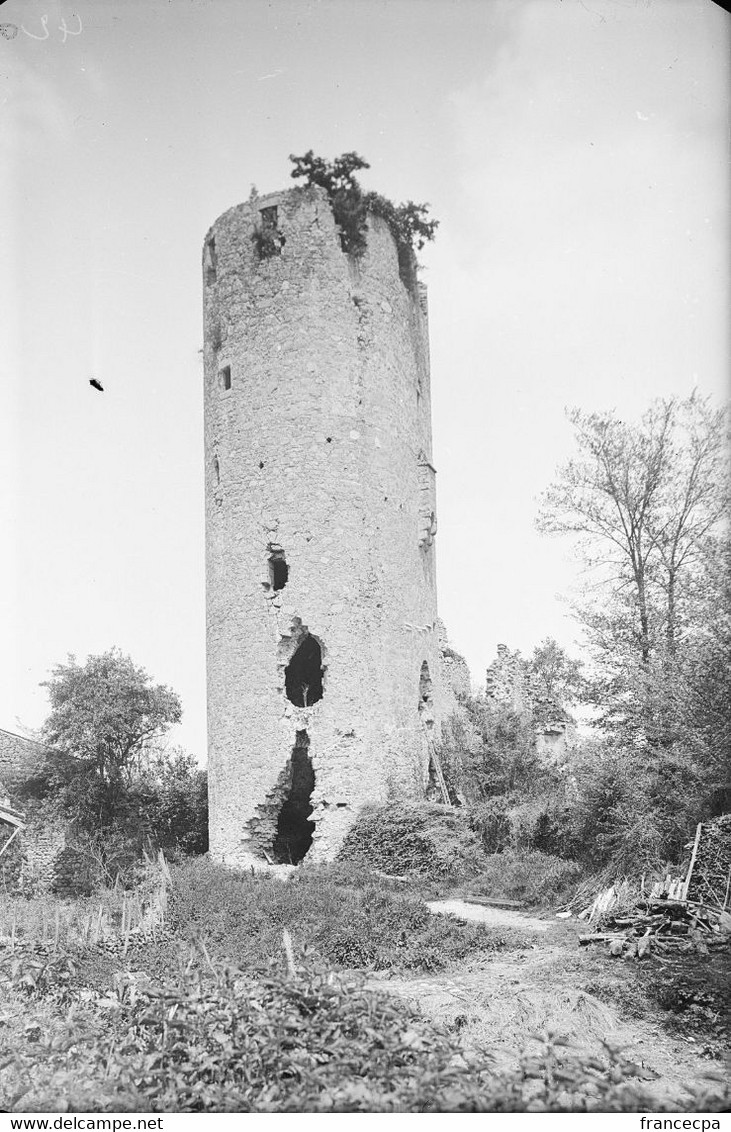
x=554 y=674
x=703 y=687
x=105 y=714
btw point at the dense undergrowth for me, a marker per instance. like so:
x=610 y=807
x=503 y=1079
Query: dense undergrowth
x=294 y=1038
x=439 y=847
x=216 y=1016
x=346 y=915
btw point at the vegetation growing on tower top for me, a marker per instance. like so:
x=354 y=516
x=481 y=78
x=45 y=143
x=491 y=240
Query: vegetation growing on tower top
x=409 y=223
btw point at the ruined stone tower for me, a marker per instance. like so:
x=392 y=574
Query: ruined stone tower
x=323 y=678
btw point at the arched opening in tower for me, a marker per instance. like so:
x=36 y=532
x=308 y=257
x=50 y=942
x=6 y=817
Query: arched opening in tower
x=294 y=829
x=426 y=699
x=303 y=674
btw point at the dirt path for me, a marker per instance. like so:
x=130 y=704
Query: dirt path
x=496 y=1004
x=484 y=914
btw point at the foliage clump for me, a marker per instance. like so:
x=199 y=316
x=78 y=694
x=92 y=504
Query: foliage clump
x=399 y=838
x=408 y=223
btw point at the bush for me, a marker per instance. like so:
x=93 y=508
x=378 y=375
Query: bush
x=491 y=820
x=91 y=862
x=431 y=840
x=240 y=917
x=408 y=223
x=536 y=878
x=612 y=823
x=175 y=807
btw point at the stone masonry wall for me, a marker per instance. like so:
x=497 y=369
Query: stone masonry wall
x=40 y=843
x=320 y=521
x=19 y=758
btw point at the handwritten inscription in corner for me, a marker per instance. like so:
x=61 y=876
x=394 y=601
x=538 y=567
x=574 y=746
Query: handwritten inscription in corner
x=10 y=31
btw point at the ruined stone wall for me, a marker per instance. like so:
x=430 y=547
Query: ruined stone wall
x=19 y=758
x=320 y=520
x=455 y=670
x=509 y=685
x=506 y=683
x=41 y=844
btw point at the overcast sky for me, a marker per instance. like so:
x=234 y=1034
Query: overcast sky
x=575 y=154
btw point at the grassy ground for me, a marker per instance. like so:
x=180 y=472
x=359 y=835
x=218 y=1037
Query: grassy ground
x=88 y=1027
x=688 y=998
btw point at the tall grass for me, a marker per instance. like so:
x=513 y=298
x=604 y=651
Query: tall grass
x=539 y=880
x=87 y=921
x=349 y=918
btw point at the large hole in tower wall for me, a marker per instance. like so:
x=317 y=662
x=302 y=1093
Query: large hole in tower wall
x=303 y=674
x=294 y=829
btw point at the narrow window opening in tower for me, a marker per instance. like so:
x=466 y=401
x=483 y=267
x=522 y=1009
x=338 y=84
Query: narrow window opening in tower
x=209 y=261
x=225 y=377
x=278 y=570
x=269 y=217
x=426 y=698
x=294 y=829
x=303 y=674
x=267 y=238
x=217 y=469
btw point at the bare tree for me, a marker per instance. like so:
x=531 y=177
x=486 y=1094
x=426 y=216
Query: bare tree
x=692 y=504
x=644 y=500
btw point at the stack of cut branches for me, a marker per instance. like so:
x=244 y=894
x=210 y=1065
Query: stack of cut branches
x=662 y=928
x=679 y=915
